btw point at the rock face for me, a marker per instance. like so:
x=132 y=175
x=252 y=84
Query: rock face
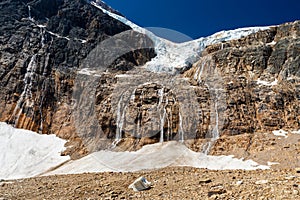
x=237 y=87
x=259 y=78
x=42 y=46
x=59 y=73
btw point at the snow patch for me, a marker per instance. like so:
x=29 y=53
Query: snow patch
x=124 y=75
x=41 y=26
x=153 y=156
x=272 y=163
x=266 y=83
x=272 y=43
x=280 y=133
x=296 y=132
x=26 y=154
x=88 y=72
x=58 y=36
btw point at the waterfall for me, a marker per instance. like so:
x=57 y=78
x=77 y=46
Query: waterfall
x=132 y=97
x=180 y=128
x=42 y=37
x=167 y=118
x=181 y=132
x=26 y=96
x=199 y=72
x=29 y=13
x=120 y=122
x=161 y=96
x=138 y=125
x=162 y=115
x=215 y=132
x=162 y=123
x=207 y=147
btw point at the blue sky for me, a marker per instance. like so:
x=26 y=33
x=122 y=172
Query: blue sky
x=197 y=18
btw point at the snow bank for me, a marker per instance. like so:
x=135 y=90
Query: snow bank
x=154 y=156
x=26 y=154
x=280 y=133
x=283 y=133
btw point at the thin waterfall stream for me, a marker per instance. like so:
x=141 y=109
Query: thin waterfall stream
x=26 y=95
x=120 y=122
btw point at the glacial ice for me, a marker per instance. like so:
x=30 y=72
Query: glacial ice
x=171 y=56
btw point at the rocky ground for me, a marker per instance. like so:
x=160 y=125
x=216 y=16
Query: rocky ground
x=168 y=183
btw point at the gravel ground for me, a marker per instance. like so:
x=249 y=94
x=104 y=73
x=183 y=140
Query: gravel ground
x=167 y=183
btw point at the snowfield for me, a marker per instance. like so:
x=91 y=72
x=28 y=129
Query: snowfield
x=153 y=156
x=26 y=154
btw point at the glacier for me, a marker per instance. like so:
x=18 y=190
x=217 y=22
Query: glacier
x=172 y=57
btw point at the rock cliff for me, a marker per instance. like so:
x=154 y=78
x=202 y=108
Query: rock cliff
x=43 y=44
x=49 y=82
